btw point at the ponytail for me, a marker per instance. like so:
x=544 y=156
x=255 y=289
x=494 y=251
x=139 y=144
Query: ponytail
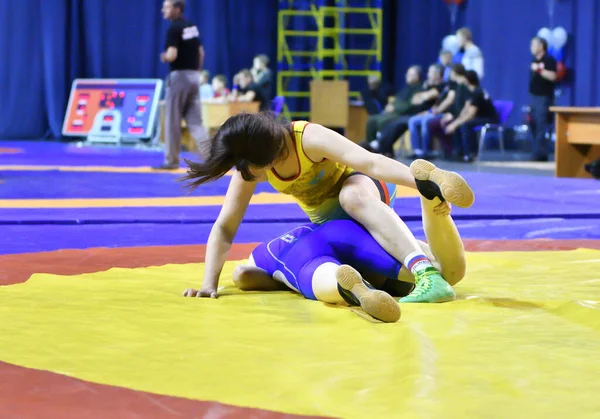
x=201 y=173
x=243 y=141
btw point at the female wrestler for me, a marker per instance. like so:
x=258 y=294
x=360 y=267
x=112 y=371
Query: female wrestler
x=319 y=261
x=330 y=177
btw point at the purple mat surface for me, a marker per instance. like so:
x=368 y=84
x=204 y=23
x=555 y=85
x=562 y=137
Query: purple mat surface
x=408 y=209
x=55 y=184
x=498 y=196
x=64 y=154
x=55 y=237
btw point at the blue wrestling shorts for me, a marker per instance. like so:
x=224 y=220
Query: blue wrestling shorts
x=293 y=257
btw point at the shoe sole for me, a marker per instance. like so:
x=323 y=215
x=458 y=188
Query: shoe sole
x=377 y=304
x=447 y=299
x=453 y=186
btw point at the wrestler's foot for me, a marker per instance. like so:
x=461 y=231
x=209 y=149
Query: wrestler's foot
x=378 y=304
x=448 y=186
x=430 y=287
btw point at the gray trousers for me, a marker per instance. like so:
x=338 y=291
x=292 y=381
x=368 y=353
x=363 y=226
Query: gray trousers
x=182 y=101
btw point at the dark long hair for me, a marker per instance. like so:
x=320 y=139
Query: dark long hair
x=244 y=140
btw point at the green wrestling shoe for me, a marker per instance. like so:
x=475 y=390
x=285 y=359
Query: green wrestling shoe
x=430 y=288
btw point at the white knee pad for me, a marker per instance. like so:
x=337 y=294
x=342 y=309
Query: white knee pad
x=325 y=285
x=251 y=261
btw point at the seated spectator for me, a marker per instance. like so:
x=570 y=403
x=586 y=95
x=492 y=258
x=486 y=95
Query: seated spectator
x=401 y=105
x=421 y=102
x=472 y=57
x=248 y=91
x=377 y=95
x=263 y=76
x=219 y=85
x=478 y=110
x=206 y=90
x=446 y=62
x=437 y=126
x=418 y=125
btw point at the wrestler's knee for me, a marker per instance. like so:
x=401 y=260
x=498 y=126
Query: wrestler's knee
x=354 y=199
x=240 y=277
x=452 y=272
x=455 y=273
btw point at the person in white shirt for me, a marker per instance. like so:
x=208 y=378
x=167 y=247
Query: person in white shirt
x=472 y=57
x=206 y=89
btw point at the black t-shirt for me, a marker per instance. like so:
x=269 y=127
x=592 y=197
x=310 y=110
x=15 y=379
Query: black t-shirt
x=451 y=85
x=538 y=85
x=258 y=95
x=376 y=99
x=264 y=83
x=381 y=93
x=463 y=94
x=184 y=36
x=485 y=107
x=440 y=88
x=402 y=105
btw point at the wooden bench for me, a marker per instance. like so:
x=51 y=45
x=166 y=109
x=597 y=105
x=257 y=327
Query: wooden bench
x=577 y=140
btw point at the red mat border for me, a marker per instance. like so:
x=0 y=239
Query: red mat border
x=17 y=268
x=34 y=394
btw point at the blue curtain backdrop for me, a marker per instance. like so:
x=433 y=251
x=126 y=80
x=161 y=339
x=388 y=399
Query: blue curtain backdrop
x=503 y=29
x=45 y=44
x=413 y=33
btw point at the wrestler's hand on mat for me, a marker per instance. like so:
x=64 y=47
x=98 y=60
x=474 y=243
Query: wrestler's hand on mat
x=203 y=293
x=443 y=208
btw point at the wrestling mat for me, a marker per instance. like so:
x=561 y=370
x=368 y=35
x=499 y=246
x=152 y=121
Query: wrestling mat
x=92 y=323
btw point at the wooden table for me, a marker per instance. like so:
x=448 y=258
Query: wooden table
x=577 y=140
x=356 y=128
x=214 y=114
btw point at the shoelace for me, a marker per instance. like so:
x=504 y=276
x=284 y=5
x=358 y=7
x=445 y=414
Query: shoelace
x=424 y=284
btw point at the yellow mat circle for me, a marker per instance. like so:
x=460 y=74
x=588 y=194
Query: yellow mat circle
x=522 y=341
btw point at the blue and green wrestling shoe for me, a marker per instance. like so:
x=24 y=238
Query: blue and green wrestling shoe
x=430 y=287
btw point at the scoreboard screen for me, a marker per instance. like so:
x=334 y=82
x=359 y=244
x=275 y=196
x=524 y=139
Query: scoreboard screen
x=119 y=107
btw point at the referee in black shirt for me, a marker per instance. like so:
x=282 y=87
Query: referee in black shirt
x=542 y=78
x=185 y=54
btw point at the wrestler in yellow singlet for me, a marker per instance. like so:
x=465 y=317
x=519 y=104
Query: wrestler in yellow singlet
x=255 y=145
x=318 y=185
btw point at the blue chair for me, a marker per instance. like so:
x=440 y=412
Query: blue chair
x=277 y=105
x=503 y=109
